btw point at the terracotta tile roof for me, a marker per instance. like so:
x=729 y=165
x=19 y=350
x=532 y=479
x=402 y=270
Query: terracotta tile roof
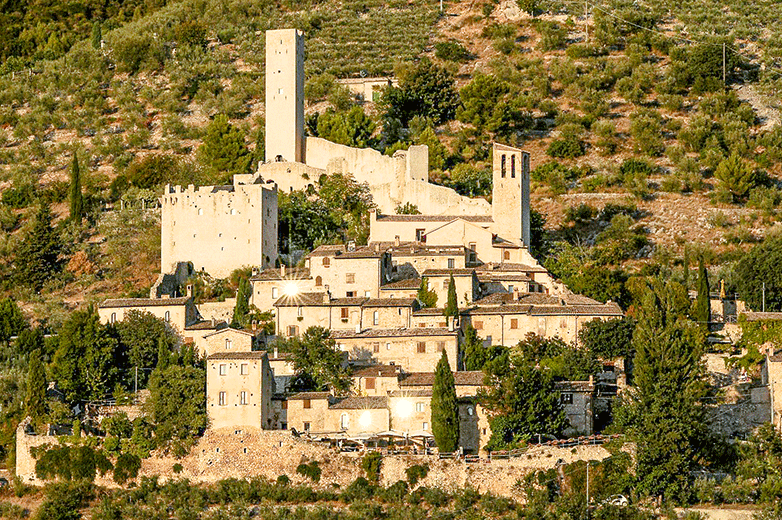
x=410 y=393
x=207 y=325
x=327 y=250
x=429 y=311
x=377 y=371
x=499 y=309
x=309 y=395
x=341 y=251
x=462 y=378
x=506 y=266
x=281 y=356
x=303 y=300
x=762 y=316
x=608 y=309
x=419 y=249
x=291 y=273
x=503 y=277
x=503 y=298
x=359 y=403
x=390 y=302
x=434 y=218
x=448 y=272
x=228 y=330
x=348 y=302
x=412 y=332
x=256 y=354
x=144 y=302
x=408 y=283
x=574 y=386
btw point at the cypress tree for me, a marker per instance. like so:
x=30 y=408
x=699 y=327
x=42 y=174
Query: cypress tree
x=163 y=353
x=445 y=410
x=37 y=257
x=97 y=35
x=427 y=297
x=702 y=304
x=77 y=201
x=452 y=307
x=36 y=389
x=242 y=308
x=686 y=262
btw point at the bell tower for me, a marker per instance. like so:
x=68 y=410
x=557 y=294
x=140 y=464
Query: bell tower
x=284 y=95
x=510 y=193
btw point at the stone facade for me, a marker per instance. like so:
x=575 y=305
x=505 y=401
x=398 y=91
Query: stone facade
x=344 y=270
x=577 y=399
x=368 y=89
x=239 y=390
x=412 y=349
x=180 y=313
x=270 y=285
x=284 y=96
x=219 y=228
x=226 y=340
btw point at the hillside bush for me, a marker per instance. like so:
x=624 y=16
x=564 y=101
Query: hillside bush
x=371 y=463
x=416 y=473
x=310 y=470
x=126 y=468
x=451 y=51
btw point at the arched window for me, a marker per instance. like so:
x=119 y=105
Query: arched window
x=228 y=343
x=502 y=166
x=113 y=318
x=344 y=422
x=318 y=281
x=168 y=316
x=513 y=166
x=326 y=261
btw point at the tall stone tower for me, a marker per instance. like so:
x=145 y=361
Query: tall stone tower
x=285 y=95
x=510 y=193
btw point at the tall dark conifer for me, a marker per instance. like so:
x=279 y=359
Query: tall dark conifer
x=452 y=306
x=76 y=198
x=445 y=409
x=37 y=257
x=702 y=303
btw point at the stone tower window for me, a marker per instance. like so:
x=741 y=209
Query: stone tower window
x=113 y=318
x=513 y=166
x=502 y=166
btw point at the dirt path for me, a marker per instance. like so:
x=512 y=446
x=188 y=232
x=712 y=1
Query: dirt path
x=768 y=112
x=723 y=513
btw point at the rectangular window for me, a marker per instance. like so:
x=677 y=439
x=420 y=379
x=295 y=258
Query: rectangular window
x=306 y=426
x=275 y=292
x=451 y=263
x=440 y=346
x=514 y=323
x=350 y=277
x=445 y=284
x=421 y=347
x=502 y=166
x=223 y=369
x=350 y=294
x=376 y=347
x=473 y=254
x=243 y=397
x=419 y=235
x=566 y=398
x=388 y=346
x=307 y=404
x=221 y=399
x=344 y=313
x=245 y=369
x=419 y=407
x=512 y=166
x=376 y=318
x=292 y=330
x=424 y=426
x=285 y=405
x=478 y=325
x=370 y=383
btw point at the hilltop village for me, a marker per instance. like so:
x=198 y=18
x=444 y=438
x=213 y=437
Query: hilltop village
x=366 y=296
x=442 y=282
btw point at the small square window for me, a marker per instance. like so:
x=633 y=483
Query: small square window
x=370 y=383
x=424 y=426
x=478 y=325
x=306 y=426
x=350 y=277
x=421 y=347
x=419 y=407
x=514 y=323
x=566 y=398
x=307 y=404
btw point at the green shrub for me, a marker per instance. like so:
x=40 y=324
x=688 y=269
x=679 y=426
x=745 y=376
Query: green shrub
x=371 y=465
x=70 y=463
x=359 y=489
x=177 y=468
x=312 y=470
x=566 y=148
x=19 y=196
x=451 y=51
x=13 y=511
x=283 y=480
x=63 y=501
x=416 y=473
x=552 y=35
x=126 y=468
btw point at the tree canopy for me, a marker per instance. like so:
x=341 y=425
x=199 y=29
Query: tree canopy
x=759 y=268
x=445 y=408
x=317 y=361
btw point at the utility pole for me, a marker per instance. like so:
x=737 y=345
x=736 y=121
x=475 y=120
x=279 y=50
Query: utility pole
x=723 y=63
x=441 y=6
x=587 y=491
x=764 y=296
x=135 y=385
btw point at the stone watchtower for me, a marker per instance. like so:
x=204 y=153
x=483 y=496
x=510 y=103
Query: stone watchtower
x=285 y=95
x=510 y=193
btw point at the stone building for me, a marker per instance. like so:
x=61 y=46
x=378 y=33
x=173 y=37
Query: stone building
x=577 y=398
x=239 y=387
x=350 y=271
x=368 y=89
x=180 y=313
x=285 y=96
x=219 y=228
x=270 y=285
x=412 y=349
x=226 y=340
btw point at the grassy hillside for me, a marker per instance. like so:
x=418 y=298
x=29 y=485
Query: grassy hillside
x=638 y=147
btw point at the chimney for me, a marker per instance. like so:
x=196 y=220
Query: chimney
x=276 y=353
x=396 y=240
x=515 y=294
x=451 y=323
x=189 y=290
x=282 y=270
x=255 y=325
x=377 y=248
x=255 y=271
